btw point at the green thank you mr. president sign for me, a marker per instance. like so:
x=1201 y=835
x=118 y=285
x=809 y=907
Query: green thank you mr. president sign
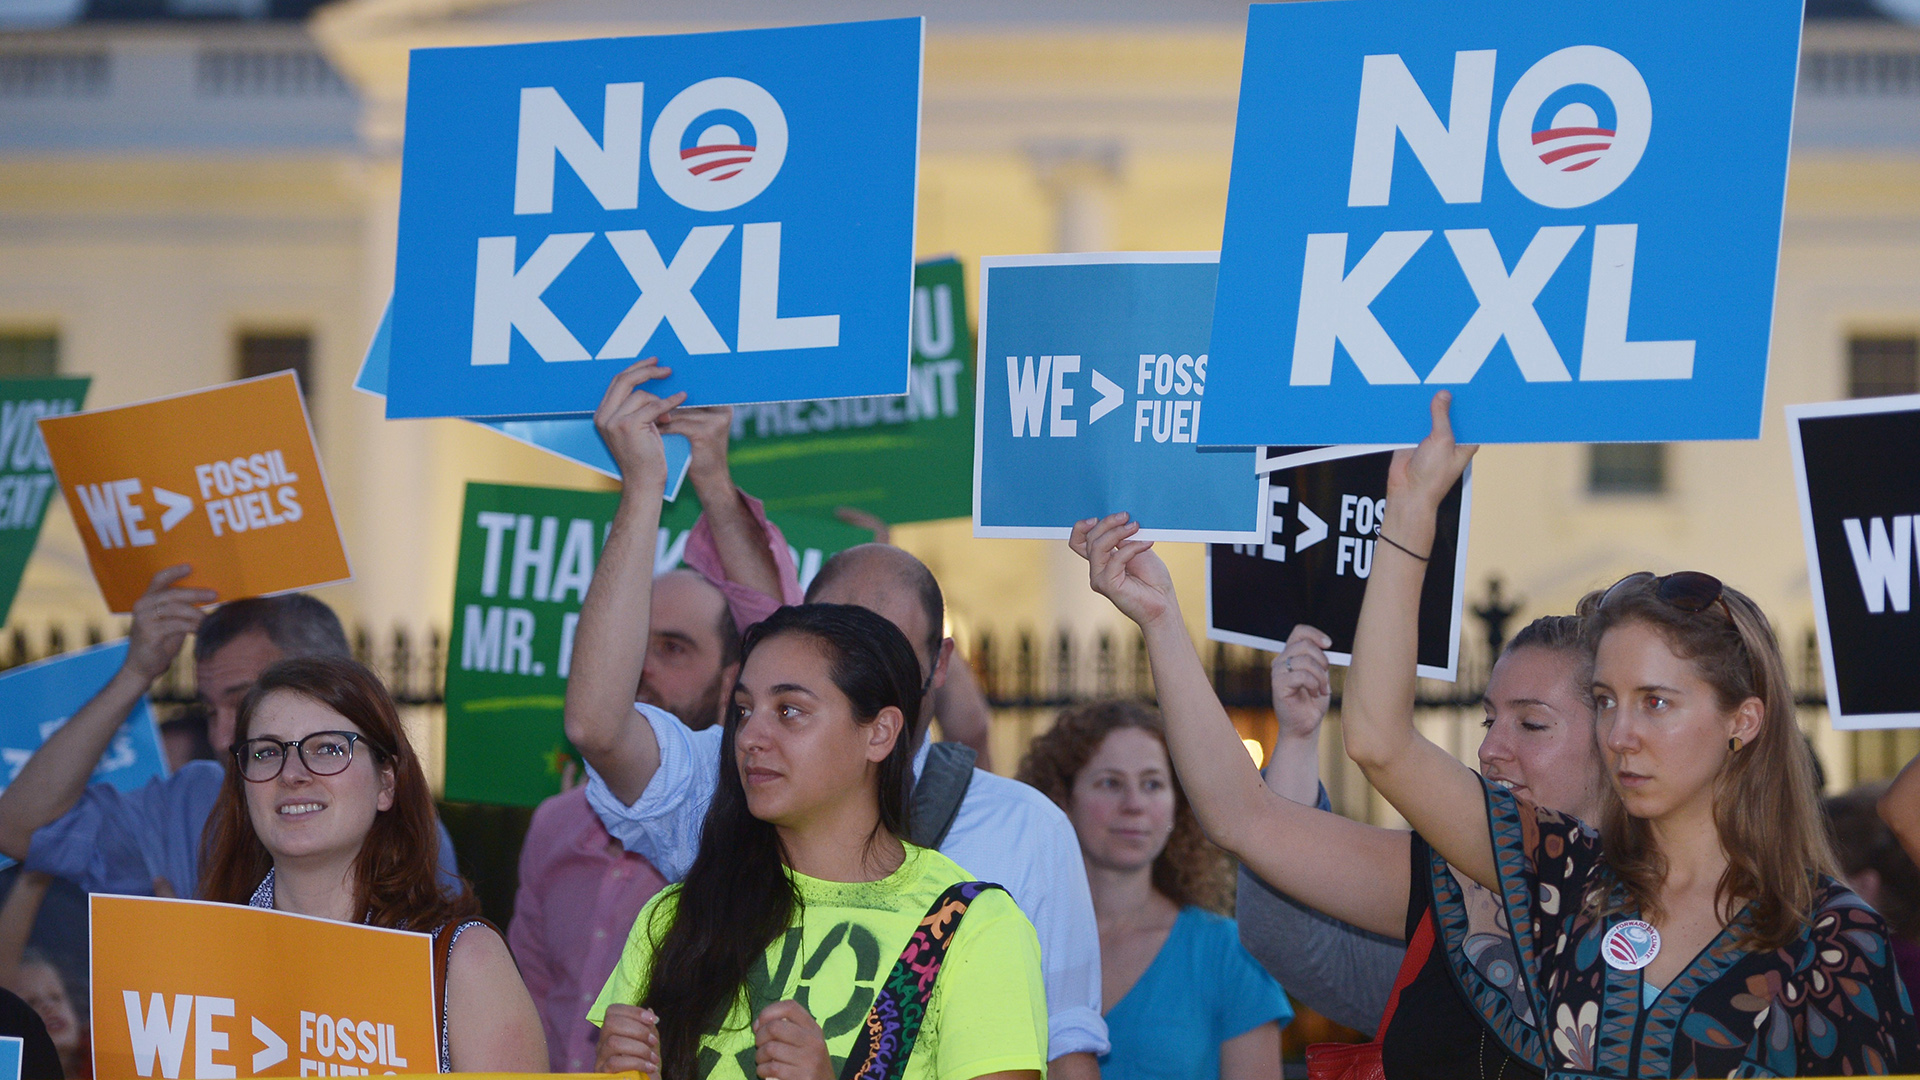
x=527 y=556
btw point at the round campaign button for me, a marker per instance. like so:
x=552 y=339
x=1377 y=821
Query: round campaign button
x=1630 y=945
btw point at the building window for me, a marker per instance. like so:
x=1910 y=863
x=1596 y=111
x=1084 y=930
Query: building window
x=28 y=355
x=1882 y=366
x=264 y=354
x=1627 y=469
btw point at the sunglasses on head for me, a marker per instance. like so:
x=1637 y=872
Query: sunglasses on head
x=1687 y=590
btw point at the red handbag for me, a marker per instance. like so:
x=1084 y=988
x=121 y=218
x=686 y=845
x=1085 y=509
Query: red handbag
x=1345 y=1061
x=1361 y=1061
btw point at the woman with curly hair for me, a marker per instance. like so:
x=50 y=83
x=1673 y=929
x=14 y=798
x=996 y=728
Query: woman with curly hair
x=1181 y=996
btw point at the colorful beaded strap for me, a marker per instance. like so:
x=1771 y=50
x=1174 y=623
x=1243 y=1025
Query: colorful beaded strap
x=894 y=1021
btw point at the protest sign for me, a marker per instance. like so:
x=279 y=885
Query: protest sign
x=245 y=991
x=575 y=440
x=1316 y=553
x=757 y=235
x=1551 y=210
x=527 y=556
x=1092 y=374
x=26 y=475
x=1269 y=458
x=900 y=459
x=1859 y=503
x=227 y=479
x=37 y=698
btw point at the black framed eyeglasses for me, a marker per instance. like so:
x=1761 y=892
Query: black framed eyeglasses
x=1688 y=590
x=323 y=753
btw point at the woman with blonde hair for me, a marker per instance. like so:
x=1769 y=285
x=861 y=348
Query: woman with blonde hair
x=1701 y=931
x=1181 y=995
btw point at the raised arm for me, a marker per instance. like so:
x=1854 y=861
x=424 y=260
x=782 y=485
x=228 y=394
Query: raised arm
x=737 y=533
x=1900 y=808
x=1354 y=872
x=1438 y=795
x=53 y=779
x=1337 y=969
x=610 y=641
x=17 y=916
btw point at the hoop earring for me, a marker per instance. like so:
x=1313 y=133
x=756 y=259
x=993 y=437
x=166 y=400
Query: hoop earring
x=1733 y=744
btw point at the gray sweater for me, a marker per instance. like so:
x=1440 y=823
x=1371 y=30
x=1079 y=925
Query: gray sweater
x=1336 y=969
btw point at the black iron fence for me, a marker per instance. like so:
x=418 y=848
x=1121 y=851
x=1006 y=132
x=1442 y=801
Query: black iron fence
x=1021 y=669
x=412 y=665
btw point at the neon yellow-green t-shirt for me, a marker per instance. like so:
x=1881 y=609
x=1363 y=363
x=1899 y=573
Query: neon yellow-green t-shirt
x=988 y=1012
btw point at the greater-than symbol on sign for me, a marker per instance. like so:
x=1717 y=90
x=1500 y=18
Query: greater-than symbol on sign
x=1312 y=529
x=177 y=507
x=1111 y=396
x=276 y=1047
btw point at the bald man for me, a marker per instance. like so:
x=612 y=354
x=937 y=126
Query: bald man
x=651 y=783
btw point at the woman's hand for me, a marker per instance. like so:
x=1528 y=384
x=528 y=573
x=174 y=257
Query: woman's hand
x=629 y=1041
x=1125 y=571
x=1419 y=478
x=626 y=420
x=1302 y=682
x=789 y=1044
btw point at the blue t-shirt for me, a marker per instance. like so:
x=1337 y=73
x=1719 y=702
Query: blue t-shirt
x=1201 y=990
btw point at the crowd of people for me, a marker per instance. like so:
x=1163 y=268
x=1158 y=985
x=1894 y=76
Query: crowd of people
x=772 y=870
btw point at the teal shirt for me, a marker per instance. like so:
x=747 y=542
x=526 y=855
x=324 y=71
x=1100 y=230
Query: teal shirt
x=1201 y=990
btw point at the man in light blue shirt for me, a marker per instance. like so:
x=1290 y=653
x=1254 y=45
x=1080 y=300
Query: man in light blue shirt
x=651 y=782
x=147 y=841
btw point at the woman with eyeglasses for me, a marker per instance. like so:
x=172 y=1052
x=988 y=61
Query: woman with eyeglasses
x=325 y=812
x=1702 y=930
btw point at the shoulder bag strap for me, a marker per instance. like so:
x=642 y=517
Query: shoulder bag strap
x=1419 y=948
x=893 y=1024
x=938 y=792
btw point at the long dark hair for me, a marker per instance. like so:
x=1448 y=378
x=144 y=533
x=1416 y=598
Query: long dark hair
x=737 y=898
x=396 y=875
x=1190 y=870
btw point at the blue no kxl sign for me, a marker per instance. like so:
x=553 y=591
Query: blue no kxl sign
x=739 y=204
x=1569 y=214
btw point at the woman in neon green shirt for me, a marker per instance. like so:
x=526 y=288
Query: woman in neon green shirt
x=809 y=940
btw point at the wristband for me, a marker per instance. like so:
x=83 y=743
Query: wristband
x=1403 y=547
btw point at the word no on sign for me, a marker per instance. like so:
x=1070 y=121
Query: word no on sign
x=568 y=207
x=1569 y=213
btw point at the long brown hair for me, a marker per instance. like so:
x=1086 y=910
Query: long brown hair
x=1764 y=805
x=396 y=875
x=1190 y=870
